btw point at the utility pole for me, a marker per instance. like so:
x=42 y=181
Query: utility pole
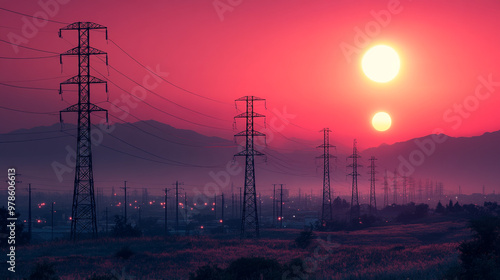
x=395 y=186
x=373 y=200
x=326 y=206
x=281 y=206
x=177 y=205
x=386 y=190
x=432 y=190
x=405 y=200
x=420 y=190
x=186 y=210
x=97 y=201
x=166 y=210
x=215 y=206
x=250 y=218
x=29 y=212
x=354 y=214
x=52 y=222
x=126 y=205
x=300 y=199
x=222 y=211
x=233 y=206
x=411 y=194
x=106 y=220
x=274 y=204
x=233 y=215
x=83 y=216
x=260 y=206
x=427 y=189
x=139 y=208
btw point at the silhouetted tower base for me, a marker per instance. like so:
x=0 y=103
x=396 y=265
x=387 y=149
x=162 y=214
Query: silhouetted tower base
x=373 y=199
x=405 y=193
x=83 y=214
x=354 y=213
x=326 y=209
x=386 y=190
x=395 y=187
x=249 y=216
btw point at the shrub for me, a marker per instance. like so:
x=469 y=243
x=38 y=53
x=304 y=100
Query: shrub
x=440 y=208
x=254 y=269
x=241 y=269
x=207 y=272
x=123 y=229
x=413 y=212
x=124 y=253
x=103 y=277
x=481 y=256
x=43 y=271
x=305 y=238
x=296 y=269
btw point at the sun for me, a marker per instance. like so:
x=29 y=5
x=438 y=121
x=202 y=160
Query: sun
x=381 y=63
x=381 y=121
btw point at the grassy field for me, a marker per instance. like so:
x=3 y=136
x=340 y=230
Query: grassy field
x=412 y=251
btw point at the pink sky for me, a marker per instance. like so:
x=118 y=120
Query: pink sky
x=288 y=52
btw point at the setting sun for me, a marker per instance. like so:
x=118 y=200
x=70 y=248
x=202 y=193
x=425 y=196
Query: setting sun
x=381 y=64
x=381 y=121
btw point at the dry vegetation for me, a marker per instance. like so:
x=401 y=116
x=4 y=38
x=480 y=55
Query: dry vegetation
x=416 y=251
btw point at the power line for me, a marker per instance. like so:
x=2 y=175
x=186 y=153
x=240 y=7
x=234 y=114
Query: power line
x=44 y=19
x=174 y=85
x=289 y=139
x=148 y=159
x=35 y=80
x=158 y=109
x=19 y=29
x=31 y=140
x=23 y=87
x=174 y=161
x=35 y=57
x=28 y=112
x=162 y=97
x=285 y=172
x=33 y=49
x=157 y=136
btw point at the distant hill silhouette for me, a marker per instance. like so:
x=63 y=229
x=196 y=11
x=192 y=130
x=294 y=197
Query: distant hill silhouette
x=157 y=154
x=467 y=161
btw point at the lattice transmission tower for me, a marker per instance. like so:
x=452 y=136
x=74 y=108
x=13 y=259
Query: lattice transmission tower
x=395 y=186
x=405 y=193
x=386 y=190
x=249 y=217
x=354 y=214
x=373 y=199
x=326 y=209
x=411 y=190
x=83 y=213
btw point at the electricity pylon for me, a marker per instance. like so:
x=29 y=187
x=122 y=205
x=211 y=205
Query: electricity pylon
x=395 y=186
x=405 y=194
x=249 y=216
x=83 y=214
x=373 y=200
x=326 y=209
x=354 y=214
x=386 y=190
